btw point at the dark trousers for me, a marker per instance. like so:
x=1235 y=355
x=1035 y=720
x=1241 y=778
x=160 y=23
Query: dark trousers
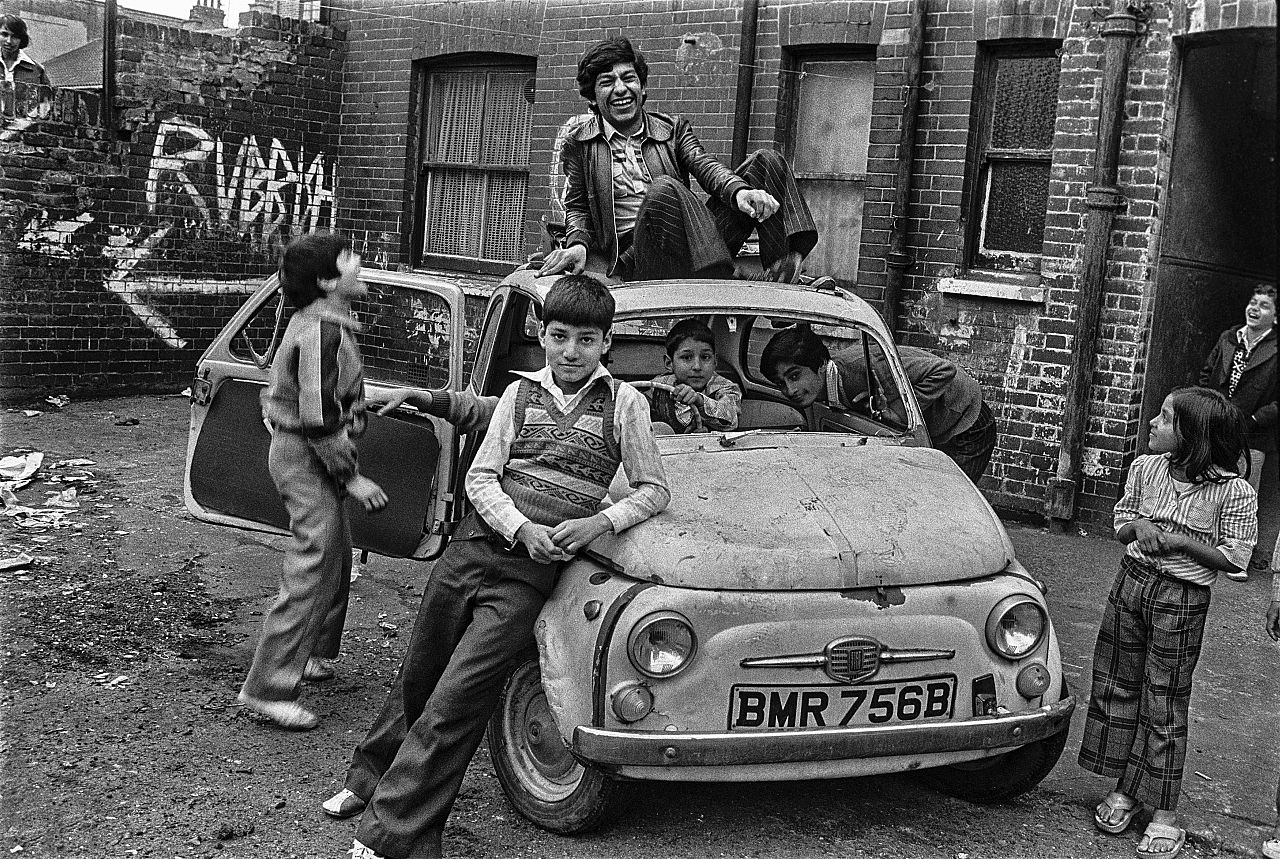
x=678 y=236
x=311 y=609
x=477 y=616
x=971 y=449
x=1147 y=650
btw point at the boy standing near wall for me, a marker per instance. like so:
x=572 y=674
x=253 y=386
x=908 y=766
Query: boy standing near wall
x=555 y=441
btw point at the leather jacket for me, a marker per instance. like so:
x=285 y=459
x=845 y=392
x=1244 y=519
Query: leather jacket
x=670 y=148
x=1256 y=393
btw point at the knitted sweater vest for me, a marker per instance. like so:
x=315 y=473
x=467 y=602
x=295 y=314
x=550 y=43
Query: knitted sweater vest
x=560 y=465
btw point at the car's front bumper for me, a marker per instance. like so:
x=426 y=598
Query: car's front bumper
x=612 y=749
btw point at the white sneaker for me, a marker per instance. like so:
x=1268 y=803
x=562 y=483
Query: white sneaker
x=287 y=714
x=343 y=804
x=1238 y=575
x=360 y=851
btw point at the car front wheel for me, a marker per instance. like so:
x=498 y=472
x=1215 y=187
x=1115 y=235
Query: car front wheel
x=1003 y=777
x=541 y=779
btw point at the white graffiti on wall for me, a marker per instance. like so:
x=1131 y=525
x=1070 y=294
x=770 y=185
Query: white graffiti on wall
x=255 y=187
x=127 y=248
x=430 y=323
x=274 y=188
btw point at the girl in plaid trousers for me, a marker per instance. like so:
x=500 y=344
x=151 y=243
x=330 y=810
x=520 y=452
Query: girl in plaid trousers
x=1186 y=515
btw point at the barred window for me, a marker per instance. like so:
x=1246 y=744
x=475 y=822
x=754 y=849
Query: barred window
x=1015 y=106
x=474 y=165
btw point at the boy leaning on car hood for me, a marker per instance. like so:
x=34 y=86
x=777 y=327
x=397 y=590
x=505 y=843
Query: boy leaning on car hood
x=556 y=440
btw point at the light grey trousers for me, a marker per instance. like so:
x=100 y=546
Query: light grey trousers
x=311 y=608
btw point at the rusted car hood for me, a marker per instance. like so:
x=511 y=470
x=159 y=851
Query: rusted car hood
x=810 y=511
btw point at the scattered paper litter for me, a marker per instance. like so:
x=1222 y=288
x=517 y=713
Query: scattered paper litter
x=16 y=562
x=31 y=413
x=72 y=463
x=58 y=401
x=20 y=466
x=28 y=517
x=66 y=498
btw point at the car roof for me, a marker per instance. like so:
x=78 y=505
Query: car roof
x=706 y=295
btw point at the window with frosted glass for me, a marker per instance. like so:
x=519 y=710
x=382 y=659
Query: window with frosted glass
x=474 y=177
x=1015 y=105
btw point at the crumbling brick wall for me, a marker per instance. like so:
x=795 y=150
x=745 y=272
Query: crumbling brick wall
x=125 y=246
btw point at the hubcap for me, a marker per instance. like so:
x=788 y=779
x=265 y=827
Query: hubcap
x=533 y=740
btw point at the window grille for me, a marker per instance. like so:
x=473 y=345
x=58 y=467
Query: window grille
x=475 y=165
x=1015 y=101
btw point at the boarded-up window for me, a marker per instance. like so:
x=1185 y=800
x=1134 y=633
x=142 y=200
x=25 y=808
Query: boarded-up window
x=474 y=178
x=1015 y=104
x=829 y=155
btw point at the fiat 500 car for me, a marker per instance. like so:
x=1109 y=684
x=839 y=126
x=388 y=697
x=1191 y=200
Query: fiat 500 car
x=825 y=596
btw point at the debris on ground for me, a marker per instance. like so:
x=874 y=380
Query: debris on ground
x=66 y=498
x=16 y=562
x=16 y=471
x=58 y=401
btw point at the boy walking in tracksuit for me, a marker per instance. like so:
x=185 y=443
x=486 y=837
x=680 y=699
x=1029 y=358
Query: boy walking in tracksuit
x=314 y=407
x=554 y=443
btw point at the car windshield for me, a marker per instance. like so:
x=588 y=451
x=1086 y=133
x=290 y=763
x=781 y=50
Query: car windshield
x=871 y=403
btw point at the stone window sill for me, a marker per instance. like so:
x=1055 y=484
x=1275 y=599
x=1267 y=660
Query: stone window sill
x=1008 y=287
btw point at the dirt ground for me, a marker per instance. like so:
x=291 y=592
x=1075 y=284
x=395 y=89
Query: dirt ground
x=125 y=639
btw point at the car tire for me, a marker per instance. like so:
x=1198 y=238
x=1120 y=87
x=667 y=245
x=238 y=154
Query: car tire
x=540 y=777
x=1001 y=778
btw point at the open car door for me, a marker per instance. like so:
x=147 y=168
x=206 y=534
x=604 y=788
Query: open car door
x=412 y=336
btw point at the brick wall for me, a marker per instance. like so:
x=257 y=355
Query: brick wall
x=115 y=245
x=124 y=248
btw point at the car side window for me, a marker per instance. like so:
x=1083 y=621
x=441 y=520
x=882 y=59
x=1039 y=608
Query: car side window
x=488 y=341
x=876 y=395
x=405 y=338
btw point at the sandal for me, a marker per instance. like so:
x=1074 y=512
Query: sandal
x=1127 y=808
x=287 y=714
x=1160 y=831
x=317 y=670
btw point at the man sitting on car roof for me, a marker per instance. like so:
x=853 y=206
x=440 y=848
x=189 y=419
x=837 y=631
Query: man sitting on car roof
x=629 y=211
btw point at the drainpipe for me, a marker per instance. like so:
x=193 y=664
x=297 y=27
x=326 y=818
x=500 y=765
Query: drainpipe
x=1102 y=200
x=110 y=38
x=746 y=78
x=897 y=259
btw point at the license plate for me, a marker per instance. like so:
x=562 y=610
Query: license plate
x=775 y=707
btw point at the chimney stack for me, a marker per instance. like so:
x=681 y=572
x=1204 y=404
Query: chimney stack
x=207 y=15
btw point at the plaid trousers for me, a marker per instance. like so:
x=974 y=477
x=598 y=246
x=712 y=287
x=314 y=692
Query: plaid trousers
x=677 y=236
x=1147 y=650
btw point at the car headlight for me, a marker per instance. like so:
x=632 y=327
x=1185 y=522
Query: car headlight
x=1016 y=626
x=661 y=644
